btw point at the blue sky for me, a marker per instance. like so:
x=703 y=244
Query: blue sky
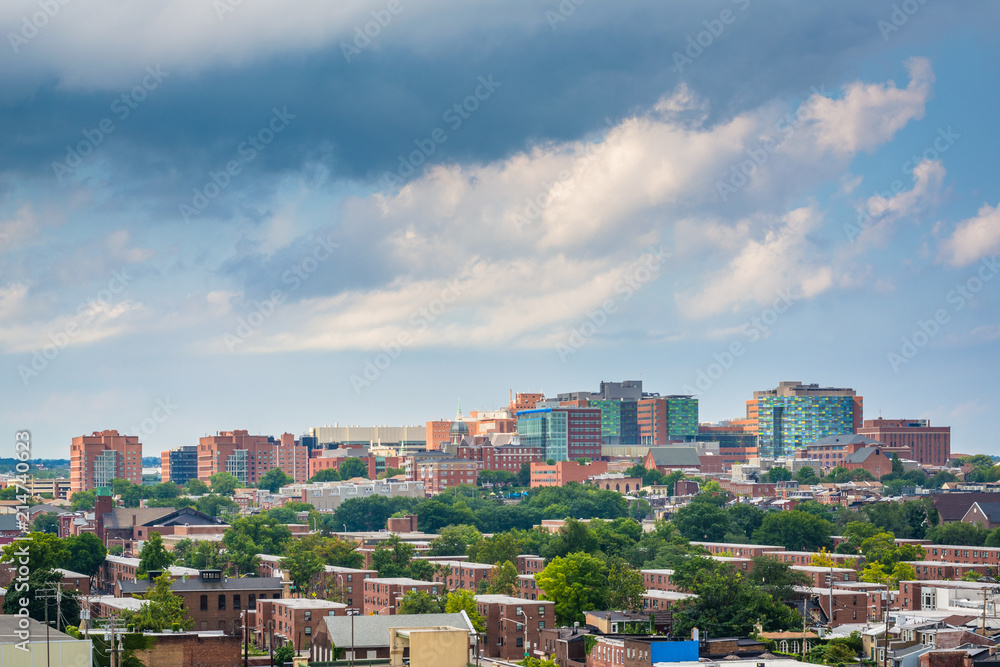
x=248 y=215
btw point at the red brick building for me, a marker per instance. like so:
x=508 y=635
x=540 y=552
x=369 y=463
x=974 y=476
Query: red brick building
x=928 y=445
x=291 y=621
x=527 y=587
x=383 y=594
x=738 y=550
x=564 y=472
x=657 y=580
x=529 y=564
x=441 y=474
x=250 y=457
x=463 y=574
x=98 y=458
x=513 y=625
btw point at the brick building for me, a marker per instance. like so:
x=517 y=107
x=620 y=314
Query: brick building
x=382 y=594
x=463 y=574
x=513 y=625
x=98 y=458
x=820 y=575
x=564 y=472
x=213 y=601
x=928 y=445
x=738 y=550
x=343 y=583
x=529 y=564
x=291 y=621
x=657 y=580
x=440 y=474
x=527 y=587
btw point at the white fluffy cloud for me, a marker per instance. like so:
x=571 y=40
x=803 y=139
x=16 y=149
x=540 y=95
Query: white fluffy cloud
x=531 y=243
x=974 y=238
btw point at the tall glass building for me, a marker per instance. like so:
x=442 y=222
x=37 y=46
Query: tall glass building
x=619 y=421
x=795 y=414
x=562 y=433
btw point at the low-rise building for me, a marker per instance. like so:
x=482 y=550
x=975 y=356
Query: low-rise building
x=383 y=594
x=291 y=621
x=513 y=625
x=463 y=574
x=369 y=637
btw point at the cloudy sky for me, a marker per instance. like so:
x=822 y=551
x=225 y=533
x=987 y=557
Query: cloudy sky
x=264 y=215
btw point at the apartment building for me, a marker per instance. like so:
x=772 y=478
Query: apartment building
x=513 y=625
x=291 y=621
x=102 y=456
x=383 y=594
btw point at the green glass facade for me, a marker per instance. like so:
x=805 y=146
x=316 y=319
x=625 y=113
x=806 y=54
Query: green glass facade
x=682 y=417
x=786 y=423
x=619 y=421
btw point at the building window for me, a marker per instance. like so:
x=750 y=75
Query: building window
x=222 y=602
x=308 y=615
x=237 y=602
x=252 y=600
x=204 y=603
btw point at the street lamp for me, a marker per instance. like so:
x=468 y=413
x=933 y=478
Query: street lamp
x=525 y=624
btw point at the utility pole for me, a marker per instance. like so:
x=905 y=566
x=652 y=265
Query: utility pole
x=246 y=639
x=885 y=638
x=983 y=631
x=111 y=646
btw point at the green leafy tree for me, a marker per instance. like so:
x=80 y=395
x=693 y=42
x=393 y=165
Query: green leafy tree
x=503 y=580
x=45 y=552
x=775 y=475
x=274 y=479
x=154 y=556
x=392 y=558
x=265 y=533
x=29 y=593
x=794 y=530
x=165 y=491
x=420 y=602
x=807 y=475
x=45 y=523
x=702 y=521
x=86 y=553
x=215 y=505
x=83 y=501
x=353 y=467
x=462 y=600
x=776 y=578
x=958 y=533
x=283 y=654
x=326 y=475
x=195 y=487
x=224 y=483
x=160 y=609
x=745 y=518
x=454 y=541
x=524 y=475
x=302 y=563
x=576 y=583
x=572 y=536
x=625 y=587
x=131 y=495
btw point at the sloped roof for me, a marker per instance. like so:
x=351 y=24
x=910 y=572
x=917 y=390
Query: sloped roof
x=991 y=510
x=121 y=517
x=373 y=631
x=953 y=506
x=861 y=455
x=675 y=456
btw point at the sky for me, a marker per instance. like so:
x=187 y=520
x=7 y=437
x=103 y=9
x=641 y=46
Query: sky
x=273 y=216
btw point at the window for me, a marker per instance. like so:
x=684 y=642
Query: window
x=518 y=612
x=309 y=630
x=204 y=603
x=519 y=642
x=237 y=602
x=222 y=602
x=541 y=625
x=252 y=600
x=308 y=615
x=541 y=610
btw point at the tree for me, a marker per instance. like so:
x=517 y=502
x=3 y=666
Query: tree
x=302 y=563
x=154 y=556
x=86 y=553
x=353 y=467
x=794 y=530
x=419 y=602
x=462 y=600
x=897 y=465
x=165 y=491
x=45 y=551
x=83 y=501
x=195 y=487
x=524 y=475
x=572 y=536
x=806 y=475
x=30 y=591
x=576 y=583
x=777 y=474
x=264 y=532
x=215 y=505
x=274 y=479
x=45 y=523
x=671 y=479
x=745 y=518
x=454 y=541
x=625 y=587
x=776 y=578
x=392 y=558
x=702 y=521
x=224 y=483
x=503 y=580
x=284 y=654
x=160 y=608
x=326 y=475
x=958 y=533
x=131 y=495
x=393 y=472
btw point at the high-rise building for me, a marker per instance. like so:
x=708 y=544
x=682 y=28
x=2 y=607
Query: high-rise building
x=628 y=390
x=249 y=457
x=667 y=418
x=179 y=465
x=929 y=445
x=794 y=414
x=619 y=421
x=562 y=433
x=98 y=458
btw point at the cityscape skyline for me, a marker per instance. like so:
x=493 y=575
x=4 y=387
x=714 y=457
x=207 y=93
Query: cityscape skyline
x=239 y=227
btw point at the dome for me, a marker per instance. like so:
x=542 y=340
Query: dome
x=459 y=428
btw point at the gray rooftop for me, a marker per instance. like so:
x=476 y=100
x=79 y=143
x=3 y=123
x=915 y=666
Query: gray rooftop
x=675 y=456
x=373 y=631
x=196 y=584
